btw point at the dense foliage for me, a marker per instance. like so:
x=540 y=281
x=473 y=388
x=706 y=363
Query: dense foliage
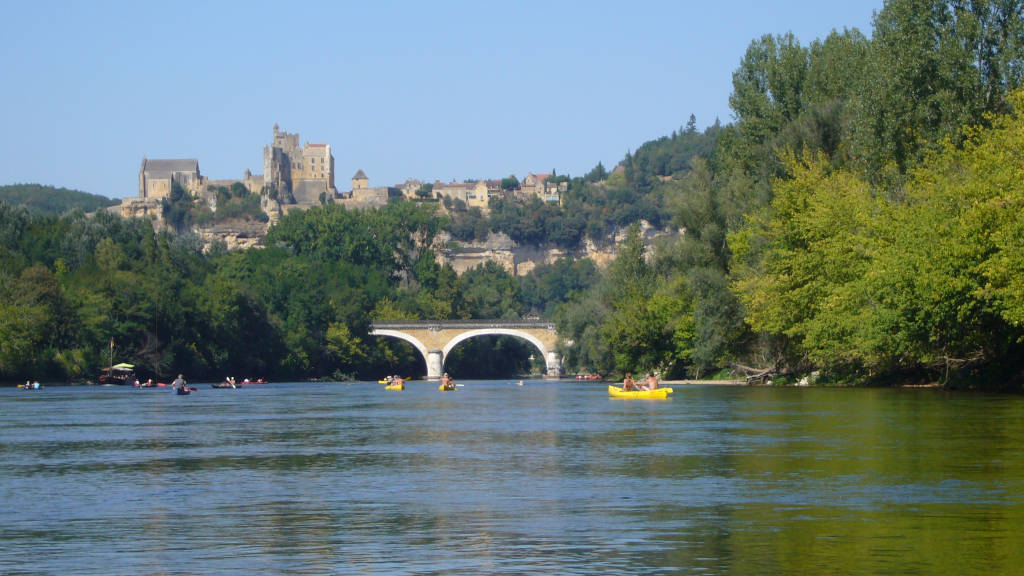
x=599 y=203
x=300 y=307
x=51 y=200
x=181 y=210
x=857 y=218
x=862 y=217
x=868 y=286
x=233 y=203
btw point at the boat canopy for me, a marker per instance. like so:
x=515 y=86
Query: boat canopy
x=123 y=366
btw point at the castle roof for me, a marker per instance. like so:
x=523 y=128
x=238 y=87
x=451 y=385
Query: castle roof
x=360 y=175
x=167 y=167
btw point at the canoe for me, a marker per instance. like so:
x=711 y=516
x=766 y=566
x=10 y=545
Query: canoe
x=660 y=393
x=182 y=391
x=395 y=387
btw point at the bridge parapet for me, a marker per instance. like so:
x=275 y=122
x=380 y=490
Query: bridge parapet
x=465 y=325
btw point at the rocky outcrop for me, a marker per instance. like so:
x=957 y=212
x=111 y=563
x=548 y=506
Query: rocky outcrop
x=147 y=208
x=521 y=260
x=236 y=234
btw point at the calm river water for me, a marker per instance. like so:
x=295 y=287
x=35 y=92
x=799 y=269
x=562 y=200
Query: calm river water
x=553 y=478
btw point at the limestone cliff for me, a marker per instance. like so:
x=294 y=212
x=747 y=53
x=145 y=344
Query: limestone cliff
x=521 y=260
x=236 y=234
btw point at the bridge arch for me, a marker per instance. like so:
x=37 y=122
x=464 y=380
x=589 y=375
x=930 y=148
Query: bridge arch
x=551 y=361
x=436 y=339
x=406 y=337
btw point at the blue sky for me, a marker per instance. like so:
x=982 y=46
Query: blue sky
x=427 y=90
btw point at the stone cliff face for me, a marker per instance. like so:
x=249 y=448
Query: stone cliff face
x=462 y=256
x=521 y=260
x=236 y=234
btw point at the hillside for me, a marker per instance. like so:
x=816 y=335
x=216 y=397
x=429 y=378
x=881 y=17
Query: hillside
x=51 y=200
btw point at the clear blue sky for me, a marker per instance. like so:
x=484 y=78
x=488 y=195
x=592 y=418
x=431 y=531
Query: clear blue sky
x=427 y=90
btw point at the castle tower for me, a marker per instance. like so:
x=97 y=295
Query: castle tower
x=360 y=181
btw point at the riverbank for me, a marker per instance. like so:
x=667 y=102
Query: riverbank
x=702 y=382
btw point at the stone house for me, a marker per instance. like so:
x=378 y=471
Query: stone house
x=538 y=185
x=473 y=194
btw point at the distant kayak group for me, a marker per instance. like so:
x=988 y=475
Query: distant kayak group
x=230 y=382
x=180 y=387
x=648 y=388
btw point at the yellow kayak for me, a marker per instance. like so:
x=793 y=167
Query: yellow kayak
x=660 y=393
x=443 y=389
x=395 y=387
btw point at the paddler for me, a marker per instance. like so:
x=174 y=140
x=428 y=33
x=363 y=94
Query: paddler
x=178 y=383
x=446 y=382
x=652 y=381
x=628 y=385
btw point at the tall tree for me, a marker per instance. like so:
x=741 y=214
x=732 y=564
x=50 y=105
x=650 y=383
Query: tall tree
x=934 y=67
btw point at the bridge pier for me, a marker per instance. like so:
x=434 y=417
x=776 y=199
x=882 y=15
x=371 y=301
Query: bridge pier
x=435 y=364
x=554 y=365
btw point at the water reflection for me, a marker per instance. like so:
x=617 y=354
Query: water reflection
x=495 y=478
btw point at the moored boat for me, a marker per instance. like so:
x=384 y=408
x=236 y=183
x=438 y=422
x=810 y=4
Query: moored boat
x=658 y=393
x=118 y=374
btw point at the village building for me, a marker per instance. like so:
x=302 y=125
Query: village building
x=494 y=189
x=410 y=187
x=473 y=194
x=537 y=185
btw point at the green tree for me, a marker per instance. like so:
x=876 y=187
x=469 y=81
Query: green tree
x=934 y=66
x=797 y=266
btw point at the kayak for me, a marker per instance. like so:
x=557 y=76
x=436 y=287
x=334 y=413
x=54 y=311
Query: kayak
x=443 y=389
x=182 y=391
x=395 y=387
x=660 y=393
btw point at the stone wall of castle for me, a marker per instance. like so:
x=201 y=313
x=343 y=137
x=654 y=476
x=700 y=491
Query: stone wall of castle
x=298 y=173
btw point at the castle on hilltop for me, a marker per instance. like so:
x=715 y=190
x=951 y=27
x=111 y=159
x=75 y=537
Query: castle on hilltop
x=305 y=174
x=301 y=176
x=298 y=177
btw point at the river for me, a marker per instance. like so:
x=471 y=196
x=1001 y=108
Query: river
x=549 y=477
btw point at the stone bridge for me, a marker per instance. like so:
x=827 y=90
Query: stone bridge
x=436 y=338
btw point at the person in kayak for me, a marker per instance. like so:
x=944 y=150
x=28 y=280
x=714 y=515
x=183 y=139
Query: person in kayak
x=178 y=383
x=628 y=384
x=446 y=382
x=652 y=382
